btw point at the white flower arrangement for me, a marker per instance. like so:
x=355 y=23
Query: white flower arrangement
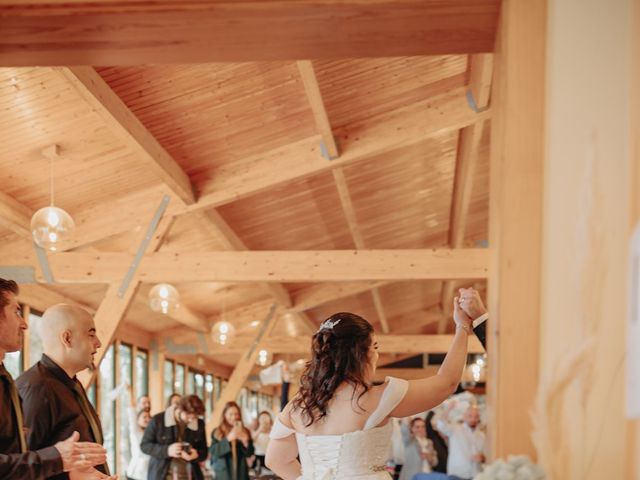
x=517 y=467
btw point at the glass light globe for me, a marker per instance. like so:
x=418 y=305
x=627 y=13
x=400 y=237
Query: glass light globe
x=264 y=358
x=164 y=298
x=51 y=226
x=222 y=332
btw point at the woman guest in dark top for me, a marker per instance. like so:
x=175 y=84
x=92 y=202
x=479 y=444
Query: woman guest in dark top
x=176 y=441
x=231 y=445
x=439 y=444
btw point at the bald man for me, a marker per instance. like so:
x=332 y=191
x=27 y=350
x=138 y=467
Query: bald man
x=16 y=462
x=55 y=403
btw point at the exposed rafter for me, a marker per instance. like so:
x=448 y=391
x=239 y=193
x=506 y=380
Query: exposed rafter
x=117 y=116
x=265 y=266
x=153 y=32
x=481 y=68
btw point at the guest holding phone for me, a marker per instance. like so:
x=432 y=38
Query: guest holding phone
x=231 y=445
x=176 y=442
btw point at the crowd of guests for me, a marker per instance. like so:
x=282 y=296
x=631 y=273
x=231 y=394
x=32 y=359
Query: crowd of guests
x=62 y=435
x=437 y=446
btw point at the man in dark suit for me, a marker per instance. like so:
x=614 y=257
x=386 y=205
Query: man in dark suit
x=16 y=462
x=55 y=403
x=471 y=303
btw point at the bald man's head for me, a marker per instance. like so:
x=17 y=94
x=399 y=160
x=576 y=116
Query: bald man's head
x=472 y=416
x=69 y=337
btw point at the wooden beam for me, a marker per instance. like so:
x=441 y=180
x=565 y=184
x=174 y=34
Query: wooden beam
x=307 y=322
x=323 y=126
x=42 y=297
x=481 y=72
x=244 y=367
x=515 y=227
x=261 y=266
x=153 y=32
x=15 y=216
x=413 y=322
x=116 y=302
x=119 y=118
x=322 y=293
x=302 y=344
x=312 y=89
x=230 y=239
x=382 y=316
x=382 y=134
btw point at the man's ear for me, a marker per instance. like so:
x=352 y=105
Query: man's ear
x=66 y=338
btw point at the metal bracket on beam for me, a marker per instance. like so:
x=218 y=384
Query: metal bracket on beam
x=44 y=263
x=472 y=103
x=325 y=152
x=20 y=275
x=143 y=245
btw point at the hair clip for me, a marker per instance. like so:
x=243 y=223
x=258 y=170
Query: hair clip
x=328 y=325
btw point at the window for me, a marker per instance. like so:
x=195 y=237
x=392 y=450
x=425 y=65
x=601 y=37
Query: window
x=35 y=342
x=108 y=405
x=125 y=370
x=91 y=393
x=142 y=373
x=199 y=382
x=191 y=382
x=208 y=401
x=13 y=363
x=178 y=381
x=168 y=380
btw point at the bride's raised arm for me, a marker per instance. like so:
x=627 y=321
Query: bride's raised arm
x=427 y=393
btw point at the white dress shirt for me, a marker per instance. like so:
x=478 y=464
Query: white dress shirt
x=464 y=443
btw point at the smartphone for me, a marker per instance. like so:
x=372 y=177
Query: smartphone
x=186 y=447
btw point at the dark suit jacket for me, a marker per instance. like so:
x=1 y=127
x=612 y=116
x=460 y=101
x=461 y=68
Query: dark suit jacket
x=51 y=409
x=481 y=333
x=15 y=465
x=162 y=432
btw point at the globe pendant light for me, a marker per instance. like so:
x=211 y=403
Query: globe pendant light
x=222 y=331
x=164 y=298
x=265 y=358
x=51 y=226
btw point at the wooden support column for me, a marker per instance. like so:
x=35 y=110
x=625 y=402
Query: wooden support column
x=244 y=367
x=515 y=238
x=156 y=376
x=632 y=453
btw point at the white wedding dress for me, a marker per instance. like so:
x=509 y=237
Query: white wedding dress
x=359 y=455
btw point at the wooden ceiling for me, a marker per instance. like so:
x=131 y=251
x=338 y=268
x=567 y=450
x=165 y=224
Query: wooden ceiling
x=237 y=147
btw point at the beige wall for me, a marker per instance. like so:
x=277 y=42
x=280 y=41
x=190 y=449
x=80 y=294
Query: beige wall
x=585 y=235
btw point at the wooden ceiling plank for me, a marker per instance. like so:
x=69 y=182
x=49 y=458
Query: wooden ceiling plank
x=119 y=118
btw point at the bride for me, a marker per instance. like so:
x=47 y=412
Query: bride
x=338 y=423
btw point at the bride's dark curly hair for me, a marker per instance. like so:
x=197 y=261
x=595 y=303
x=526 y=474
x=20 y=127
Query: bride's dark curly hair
x=338 y=354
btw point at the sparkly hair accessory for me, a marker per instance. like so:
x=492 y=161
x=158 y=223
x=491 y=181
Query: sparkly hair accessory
x=328 y=325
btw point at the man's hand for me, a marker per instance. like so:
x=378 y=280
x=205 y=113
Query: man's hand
x=471 y=303
x=188 y=457
x=460 y=317
x=175 y=450
x=90 y=474
x=80 y=455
